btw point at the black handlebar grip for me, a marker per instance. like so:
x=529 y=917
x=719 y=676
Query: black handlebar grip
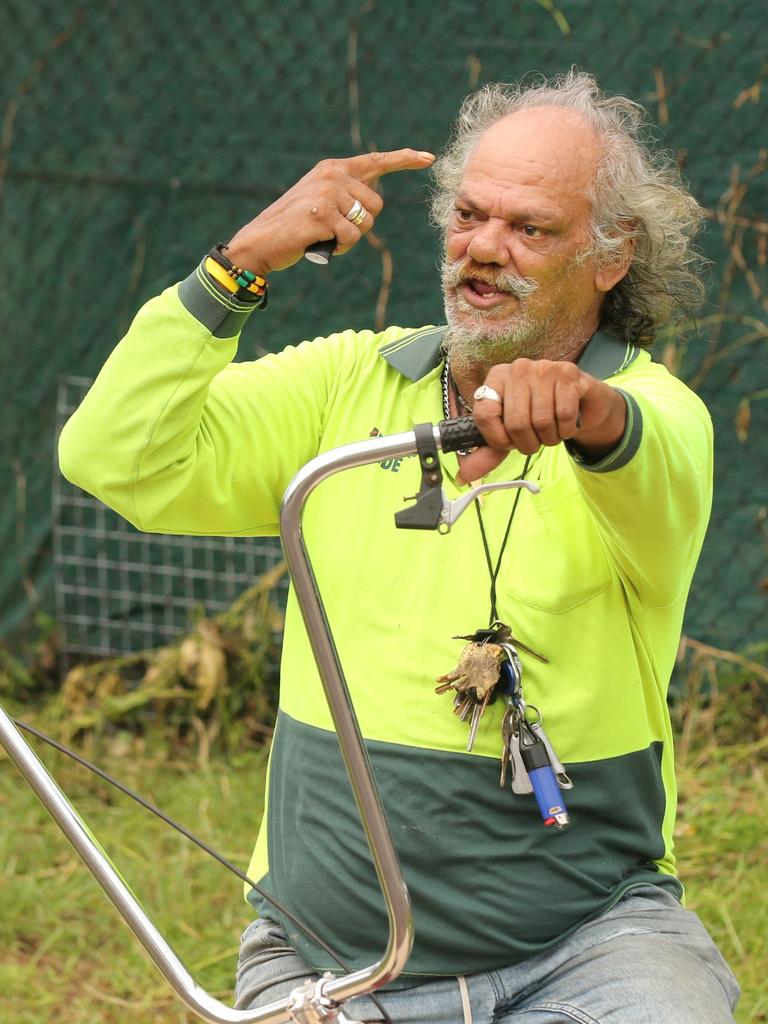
x=460 y=433
x=321 y=252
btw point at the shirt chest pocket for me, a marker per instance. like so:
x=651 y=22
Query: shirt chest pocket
x=557 y=560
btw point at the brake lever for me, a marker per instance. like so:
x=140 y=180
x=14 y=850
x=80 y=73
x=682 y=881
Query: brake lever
x=451 y=510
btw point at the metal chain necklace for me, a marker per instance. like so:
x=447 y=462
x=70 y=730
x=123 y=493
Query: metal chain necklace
x=447 y=384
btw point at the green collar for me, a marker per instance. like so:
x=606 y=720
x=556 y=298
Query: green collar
x=418 y=352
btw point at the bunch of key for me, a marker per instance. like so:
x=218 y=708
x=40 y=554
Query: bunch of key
x=489 y=665
x=527 y=754
x=474 y=682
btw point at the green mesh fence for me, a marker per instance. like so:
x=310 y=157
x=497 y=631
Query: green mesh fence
x=134 y=135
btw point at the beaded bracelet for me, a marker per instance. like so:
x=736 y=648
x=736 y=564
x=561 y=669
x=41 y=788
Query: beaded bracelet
x=246 y=283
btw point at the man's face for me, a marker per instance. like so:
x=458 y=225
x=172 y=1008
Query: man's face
x=513 y=279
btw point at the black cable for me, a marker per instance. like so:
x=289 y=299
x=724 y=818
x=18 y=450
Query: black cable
x=494 y=573
x=308 y=932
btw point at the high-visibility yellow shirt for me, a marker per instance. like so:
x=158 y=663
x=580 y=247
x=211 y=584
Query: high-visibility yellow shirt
x=595 y=575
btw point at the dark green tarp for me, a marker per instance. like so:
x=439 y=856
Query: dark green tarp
x=134 y=135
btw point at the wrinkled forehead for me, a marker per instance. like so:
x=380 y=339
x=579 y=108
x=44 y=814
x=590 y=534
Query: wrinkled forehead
x=551 y=147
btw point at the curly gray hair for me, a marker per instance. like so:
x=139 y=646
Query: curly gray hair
x=636 y=195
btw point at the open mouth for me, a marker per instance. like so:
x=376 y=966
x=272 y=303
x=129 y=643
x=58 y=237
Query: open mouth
x=483 y=288
x=482 y=294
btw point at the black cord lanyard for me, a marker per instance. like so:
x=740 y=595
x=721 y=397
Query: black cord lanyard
x=494 y=573
x=448 y=383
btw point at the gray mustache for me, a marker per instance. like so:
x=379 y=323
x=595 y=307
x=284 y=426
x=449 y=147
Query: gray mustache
x=520 y=287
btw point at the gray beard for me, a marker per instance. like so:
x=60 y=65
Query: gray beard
x=475 y=341
x=473 y=348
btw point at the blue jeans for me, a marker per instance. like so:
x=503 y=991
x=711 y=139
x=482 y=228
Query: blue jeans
x=645 y=961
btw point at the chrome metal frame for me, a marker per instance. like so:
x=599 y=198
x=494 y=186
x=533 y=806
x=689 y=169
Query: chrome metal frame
x=330 y=992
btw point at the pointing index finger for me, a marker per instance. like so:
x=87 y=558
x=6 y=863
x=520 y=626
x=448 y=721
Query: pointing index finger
x=367 y=166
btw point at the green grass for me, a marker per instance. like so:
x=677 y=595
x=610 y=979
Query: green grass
x=65 y=958
x=722 y=848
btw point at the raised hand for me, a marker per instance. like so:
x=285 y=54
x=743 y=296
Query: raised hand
x=315 y=209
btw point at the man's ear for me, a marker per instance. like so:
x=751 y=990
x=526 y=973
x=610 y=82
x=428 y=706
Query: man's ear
x=609 y=275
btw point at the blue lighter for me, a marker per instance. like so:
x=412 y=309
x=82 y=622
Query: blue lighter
x=545 y=787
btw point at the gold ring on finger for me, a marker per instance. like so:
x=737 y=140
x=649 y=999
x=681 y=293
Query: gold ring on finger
x=356 y=213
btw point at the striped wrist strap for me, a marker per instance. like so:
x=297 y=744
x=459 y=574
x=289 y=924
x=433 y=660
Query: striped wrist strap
x=241 y=282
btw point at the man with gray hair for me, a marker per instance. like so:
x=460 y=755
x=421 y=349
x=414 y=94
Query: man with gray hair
x=567 y=244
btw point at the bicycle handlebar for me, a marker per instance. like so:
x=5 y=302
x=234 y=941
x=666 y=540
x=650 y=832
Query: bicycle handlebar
x=450 y=435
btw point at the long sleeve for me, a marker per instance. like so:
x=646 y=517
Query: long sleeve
x=177 y=440
x=651 y=498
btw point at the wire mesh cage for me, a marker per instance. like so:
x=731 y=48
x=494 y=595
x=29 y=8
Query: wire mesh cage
x=119 y=590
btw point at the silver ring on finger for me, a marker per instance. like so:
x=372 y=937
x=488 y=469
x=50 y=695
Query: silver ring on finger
x=356 y=213
x=488 y=394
